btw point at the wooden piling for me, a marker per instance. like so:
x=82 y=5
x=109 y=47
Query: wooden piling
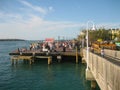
x=76 y=55
x=83 y=60
x=16 y=61
x=33 y=57
x=93 y=84
x=49 y=60
x=12 y=61
x=59 y=58
x=30 y=61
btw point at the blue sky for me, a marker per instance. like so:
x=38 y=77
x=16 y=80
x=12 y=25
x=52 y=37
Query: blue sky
x=40 y=19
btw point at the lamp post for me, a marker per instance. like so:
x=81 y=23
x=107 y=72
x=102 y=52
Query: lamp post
x=93 y=28
x=82 y=38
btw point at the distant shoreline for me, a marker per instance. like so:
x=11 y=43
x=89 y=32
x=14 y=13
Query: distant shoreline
x=12 y=40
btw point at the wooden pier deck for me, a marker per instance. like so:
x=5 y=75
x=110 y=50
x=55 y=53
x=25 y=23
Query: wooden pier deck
x=31 y=55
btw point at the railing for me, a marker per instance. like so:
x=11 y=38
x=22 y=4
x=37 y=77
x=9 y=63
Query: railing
x=112 y=53
x=105 y=73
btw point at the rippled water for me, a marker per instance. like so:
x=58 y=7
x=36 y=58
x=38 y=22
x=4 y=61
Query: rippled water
x=39 y=76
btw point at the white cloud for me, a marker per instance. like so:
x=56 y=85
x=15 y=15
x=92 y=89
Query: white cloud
x=33 y=28
x=37 y=8
x=11 y=17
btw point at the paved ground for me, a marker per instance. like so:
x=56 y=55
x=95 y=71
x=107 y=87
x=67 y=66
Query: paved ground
x=111 y=59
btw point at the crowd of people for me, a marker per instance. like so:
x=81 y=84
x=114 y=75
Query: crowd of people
x=53 y=46
x=57 y=46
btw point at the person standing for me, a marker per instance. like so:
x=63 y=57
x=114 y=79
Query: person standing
x=102 y=52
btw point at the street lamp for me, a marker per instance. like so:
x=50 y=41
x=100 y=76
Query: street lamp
x=82 y=38
x=93 y=28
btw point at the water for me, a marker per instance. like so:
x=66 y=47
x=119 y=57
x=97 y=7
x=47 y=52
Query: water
x=39 y=76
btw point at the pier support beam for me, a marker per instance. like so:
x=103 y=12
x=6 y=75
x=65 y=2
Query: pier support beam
x=89 y=75
x=49 y=60
x=16 y=61
x=83 y=60
x=76 y=55
x=12 y=61
x=30 y=61
x=93 y=84
x=59 y=58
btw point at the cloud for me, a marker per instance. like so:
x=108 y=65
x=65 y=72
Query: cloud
x=10 y=17
x=34 y=27
x=36 y=22
x=37 y=8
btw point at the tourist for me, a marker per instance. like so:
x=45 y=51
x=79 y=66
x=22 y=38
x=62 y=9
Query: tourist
x=102 y=52
x=92 y=49
x=64 y=47
x=30 y=46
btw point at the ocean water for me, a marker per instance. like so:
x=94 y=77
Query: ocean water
x=40 y=75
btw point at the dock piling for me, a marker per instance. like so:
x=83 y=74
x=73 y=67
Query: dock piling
x=76 y=55
x=30 y=61
x=12 y=61
x=59 y=58
x=93 y=84
x=49 y=60
x=16 y=61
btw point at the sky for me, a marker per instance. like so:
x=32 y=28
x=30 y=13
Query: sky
x=40 y=19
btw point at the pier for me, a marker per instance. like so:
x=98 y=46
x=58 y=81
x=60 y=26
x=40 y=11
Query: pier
x=103 y=70
x=31 y=56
